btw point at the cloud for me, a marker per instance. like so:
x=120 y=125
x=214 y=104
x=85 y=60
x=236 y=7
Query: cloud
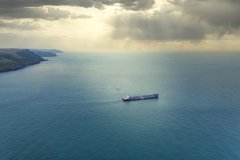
x=34 y=13
x=224 y=13
x=27 y=25
x=82 y=16
x=39 y=3
x=17 y=9
x=127 y=4
x=136 y=4
x=181 y=20
x=161 y=26
x=47 y=13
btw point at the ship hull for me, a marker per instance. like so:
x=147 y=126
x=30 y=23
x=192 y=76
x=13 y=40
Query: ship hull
x=144 y=97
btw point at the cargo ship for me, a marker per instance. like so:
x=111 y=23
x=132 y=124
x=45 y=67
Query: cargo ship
x=144 y=97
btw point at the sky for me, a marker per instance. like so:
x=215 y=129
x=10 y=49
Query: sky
x=121 y=25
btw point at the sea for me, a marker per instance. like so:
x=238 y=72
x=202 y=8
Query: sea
x=70 y=107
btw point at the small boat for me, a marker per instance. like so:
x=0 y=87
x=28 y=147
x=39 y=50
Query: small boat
x=144 y=97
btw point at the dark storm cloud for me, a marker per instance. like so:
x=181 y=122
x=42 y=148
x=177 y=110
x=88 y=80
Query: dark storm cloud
x=136 y=4
x=34 y=13
x=128 y=4
x=47 y=13
x=224 y=13
x=39 y=3
x=189 y=20
x=31 y=8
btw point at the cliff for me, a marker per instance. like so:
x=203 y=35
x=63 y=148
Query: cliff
x=14 y=59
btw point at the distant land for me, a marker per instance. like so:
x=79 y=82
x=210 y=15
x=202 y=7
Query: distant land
x=12 y=59
x=46 y=52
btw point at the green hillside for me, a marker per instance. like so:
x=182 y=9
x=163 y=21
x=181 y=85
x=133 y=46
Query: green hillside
x=14 y=59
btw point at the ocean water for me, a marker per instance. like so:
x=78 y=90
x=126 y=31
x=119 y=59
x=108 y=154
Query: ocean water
x=70 y=108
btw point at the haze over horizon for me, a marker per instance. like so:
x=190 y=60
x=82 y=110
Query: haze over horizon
x=121 y=25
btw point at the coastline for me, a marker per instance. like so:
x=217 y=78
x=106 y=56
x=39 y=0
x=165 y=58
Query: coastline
x=12 y=59
x=20 y=67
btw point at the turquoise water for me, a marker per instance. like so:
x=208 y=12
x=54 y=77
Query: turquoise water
x=70 y=108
